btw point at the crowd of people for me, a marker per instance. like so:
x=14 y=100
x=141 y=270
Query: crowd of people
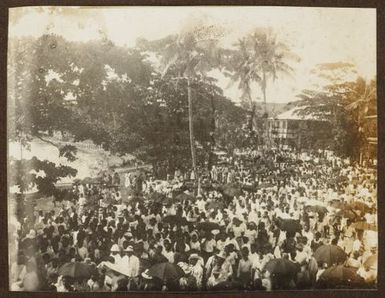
x=275 y=220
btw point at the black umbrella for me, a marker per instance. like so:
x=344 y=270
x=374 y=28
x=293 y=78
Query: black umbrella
x=282 y=267
x=232 y=190
x=330 y=254
x=340 y=277
x=175 y=219
x=156 y=197
x=363 y=225
x=208 y=226
x=289 y=225
x=249 y=188
x=316 y=208
x=166 y=271
x=215 y=205
x=359 y=206
x=185 y=197
x=348 y=213
x=76 y=270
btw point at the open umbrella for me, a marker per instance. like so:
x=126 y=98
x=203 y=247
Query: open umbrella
x=289 y=225
x=348 y=213
x=89 y=180
x=250 y=187
x=265 y=185
x=208 y=226
x=371 y=262
x=166 y=271
x=363 y=225
x=184 y=197
x=232 y=190
x=282 y=267
x=357 y=205
x=156 y=197
x=340 y=277
x=330 y=254
x=317 y=208
x=175 y=219
x=215 y=205
x=76 y=270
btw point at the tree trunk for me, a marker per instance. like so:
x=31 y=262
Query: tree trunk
x=191 y=128
x=265 y=132
x=212 y=134
x=264 y=91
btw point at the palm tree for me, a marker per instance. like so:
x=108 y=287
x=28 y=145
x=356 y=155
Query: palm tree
x=194 y=51
x=362 y=102
x=242 y=70
x=259 y=57
x=271 y=57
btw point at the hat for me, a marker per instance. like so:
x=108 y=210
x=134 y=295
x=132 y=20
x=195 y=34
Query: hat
x=115 y=248
x=128 y=234
x=31 y=234
x=193 y=256
x=215 y=232
x=145 y=275
x=221 y=255
x=129 y=248
x=185 y=267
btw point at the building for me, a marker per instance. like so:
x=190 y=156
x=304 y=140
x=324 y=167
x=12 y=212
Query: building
x=370 y=150
x=291 y=128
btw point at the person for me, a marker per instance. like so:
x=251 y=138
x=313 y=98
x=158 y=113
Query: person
x=266 y=280
x=196 y=270
x=354 y=261
x=167 y=252
x=246 y=220
x=158 y=257
x=244 y=271
x=131 y=262
x=115 y=254
x=93 y=283
x=207 y=245
x=195 y=245
x=221 y=272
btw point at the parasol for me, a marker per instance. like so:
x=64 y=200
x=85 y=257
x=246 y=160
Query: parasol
x=231 y=190
x=340 y=277
x=363 y=225
x=166 y=271
x=282 y=267
x=76 y=270
x=208 y=226
x=330 y=254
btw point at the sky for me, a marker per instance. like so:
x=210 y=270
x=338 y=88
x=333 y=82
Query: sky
x=316 y=35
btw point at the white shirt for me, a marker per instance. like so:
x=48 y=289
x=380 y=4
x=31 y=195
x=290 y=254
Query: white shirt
x=132 y=264
x=169 y=255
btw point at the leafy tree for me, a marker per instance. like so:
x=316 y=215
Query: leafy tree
x=187 y=54
x=26 y=174
x=343 y=101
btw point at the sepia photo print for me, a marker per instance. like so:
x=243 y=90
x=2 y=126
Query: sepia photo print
x=194 y=148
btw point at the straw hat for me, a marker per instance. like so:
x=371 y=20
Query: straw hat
x=145 y=275
x=129 y=249
x=115 y=248
x=128 y=234
x=221 y=255
x=31 y=234
x=193 y=256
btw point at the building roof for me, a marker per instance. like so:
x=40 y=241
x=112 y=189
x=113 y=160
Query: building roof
x=294 y=114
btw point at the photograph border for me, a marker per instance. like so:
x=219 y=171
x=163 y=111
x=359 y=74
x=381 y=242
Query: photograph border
x=380 y=7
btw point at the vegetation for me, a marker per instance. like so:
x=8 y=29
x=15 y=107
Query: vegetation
x=170 y=116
